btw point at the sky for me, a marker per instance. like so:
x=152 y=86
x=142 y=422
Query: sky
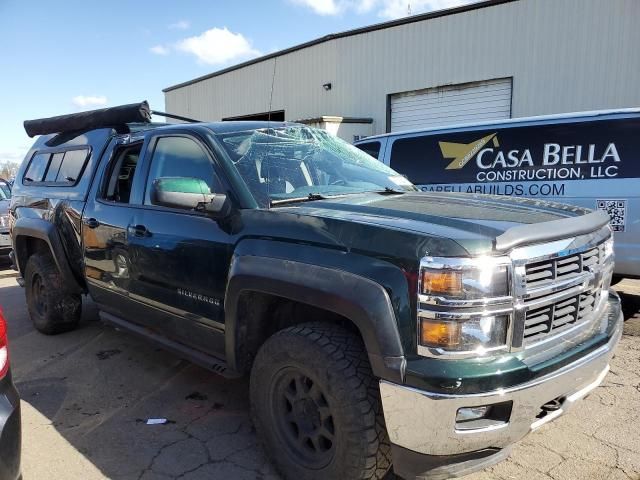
x=73 y=55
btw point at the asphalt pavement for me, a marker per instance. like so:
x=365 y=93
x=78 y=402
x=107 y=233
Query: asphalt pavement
x=87 y=396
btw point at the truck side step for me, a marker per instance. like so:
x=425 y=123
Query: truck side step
x=202 y=359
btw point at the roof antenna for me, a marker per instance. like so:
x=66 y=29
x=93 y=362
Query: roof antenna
x=408 y=9
x=273 y=79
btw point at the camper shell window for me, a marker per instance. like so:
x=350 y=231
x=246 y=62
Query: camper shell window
x=56 y=168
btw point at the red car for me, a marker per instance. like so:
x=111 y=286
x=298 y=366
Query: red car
x=10 y=425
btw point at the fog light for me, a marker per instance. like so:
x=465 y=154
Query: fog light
x=467 y=414
x=477 y=334
x=442 y=334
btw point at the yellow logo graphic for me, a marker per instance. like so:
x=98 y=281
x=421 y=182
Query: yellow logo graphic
x=463 y=152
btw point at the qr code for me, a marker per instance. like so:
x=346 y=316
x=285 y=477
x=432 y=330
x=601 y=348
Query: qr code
x=617 y=210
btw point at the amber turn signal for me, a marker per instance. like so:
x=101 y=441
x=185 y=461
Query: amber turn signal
x=438 y=333
x=441 y=283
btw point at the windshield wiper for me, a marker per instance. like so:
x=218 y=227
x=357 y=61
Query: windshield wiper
x=318 y=196
x=309 y=198
x=390 y=190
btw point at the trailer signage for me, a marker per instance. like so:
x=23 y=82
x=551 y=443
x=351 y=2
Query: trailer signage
x=539 y=153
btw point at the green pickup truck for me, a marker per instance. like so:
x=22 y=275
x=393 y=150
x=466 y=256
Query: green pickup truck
x=381 y=326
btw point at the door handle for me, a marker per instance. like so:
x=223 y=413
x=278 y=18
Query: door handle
x=91 y=222
x=138 y=231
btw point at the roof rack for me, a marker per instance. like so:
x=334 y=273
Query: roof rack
x=113 y=117
x=174 y=116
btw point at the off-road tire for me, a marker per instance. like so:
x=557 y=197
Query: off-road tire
x=334 y=362
x=51 y=307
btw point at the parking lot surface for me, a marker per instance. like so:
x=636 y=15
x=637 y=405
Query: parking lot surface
x=87 y=396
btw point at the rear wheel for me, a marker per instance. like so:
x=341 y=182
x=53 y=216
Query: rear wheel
x=316 y=405
x=51 y=307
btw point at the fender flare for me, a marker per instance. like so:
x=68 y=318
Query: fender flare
x=25 y=227
x=361 y=300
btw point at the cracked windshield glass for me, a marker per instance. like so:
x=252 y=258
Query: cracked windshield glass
x=293 y=163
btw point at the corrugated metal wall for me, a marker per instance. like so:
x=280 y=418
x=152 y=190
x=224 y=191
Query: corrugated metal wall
x=563 y=55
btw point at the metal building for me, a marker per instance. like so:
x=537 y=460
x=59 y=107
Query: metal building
x=489 y=60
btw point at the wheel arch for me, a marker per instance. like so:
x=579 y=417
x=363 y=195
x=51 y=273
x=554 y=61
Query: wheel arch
x=31 y=235
x=359 y=300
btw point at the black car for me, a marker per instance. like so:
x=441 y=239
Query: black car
x=10 y=429
x=378 y=324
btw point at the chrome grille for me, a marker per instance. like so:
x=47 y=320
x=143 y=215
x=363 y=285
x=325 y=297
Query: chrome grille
x=558 y=316
x=557 y=292
x=546 y=272
x=549 y=309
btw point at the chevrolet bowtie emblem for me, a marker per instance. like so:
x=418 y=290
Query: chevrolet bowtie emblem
x=463 y=152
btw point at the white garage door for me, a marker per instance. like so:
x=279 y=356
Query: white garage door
x=451 y=104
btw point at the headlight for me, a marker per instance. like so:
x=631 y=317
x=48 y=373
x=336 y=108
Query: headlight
x=483 y=279
x=4 y=220
x=460 y=305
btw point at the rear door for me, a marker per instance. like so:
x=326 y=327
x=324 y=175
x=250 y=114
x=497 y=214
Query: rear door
x=109 y=211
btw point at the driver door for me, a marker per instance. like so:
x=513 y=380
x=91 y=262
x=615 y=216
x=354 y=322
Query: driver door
x=180 y=258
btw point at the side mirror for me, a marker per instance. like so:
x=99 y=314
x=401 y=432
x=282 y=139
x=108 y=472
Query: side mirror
x=189 y=193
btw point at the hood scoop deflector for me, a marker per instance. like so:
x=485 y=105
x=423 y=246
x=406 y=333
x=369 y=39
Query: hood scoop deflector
x=552 y=230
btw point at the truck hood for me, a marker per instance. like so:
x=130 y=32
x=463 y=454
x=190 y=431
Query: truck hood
x=475 y=222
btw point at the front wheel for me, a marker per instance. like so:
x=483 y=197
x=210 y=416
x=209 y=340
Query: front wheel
x=316 y=405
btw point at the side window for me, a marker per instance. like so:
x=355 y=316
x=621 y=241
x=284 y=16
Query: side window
x=408 y=158
x=37 y=168
x=72 y=165
x=179 y=157
x=54 y=167
x=60 y=167
x=5 y=191
x=119 y=180
x=372 y=148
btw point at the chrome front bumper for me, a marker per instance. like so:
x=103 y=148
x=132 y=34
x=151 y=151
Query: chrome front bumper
x=425 y=422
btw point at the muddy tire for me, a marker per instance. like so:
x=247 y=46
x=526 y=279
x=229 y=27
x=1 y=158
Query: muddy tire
x=51 y=307
x=316 y=405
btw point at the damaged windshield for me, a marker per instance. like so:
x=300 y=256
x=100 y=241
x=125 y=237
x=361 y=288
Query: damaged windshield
x=302 y=163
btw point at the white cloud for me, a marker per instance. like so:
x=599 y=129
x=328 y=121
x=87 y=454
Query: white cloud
x=218 y=46
x=388 y=9
x=364 y=6
x=180 y=25
x=89 y=100
x=160 y=50
x=322 y=7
